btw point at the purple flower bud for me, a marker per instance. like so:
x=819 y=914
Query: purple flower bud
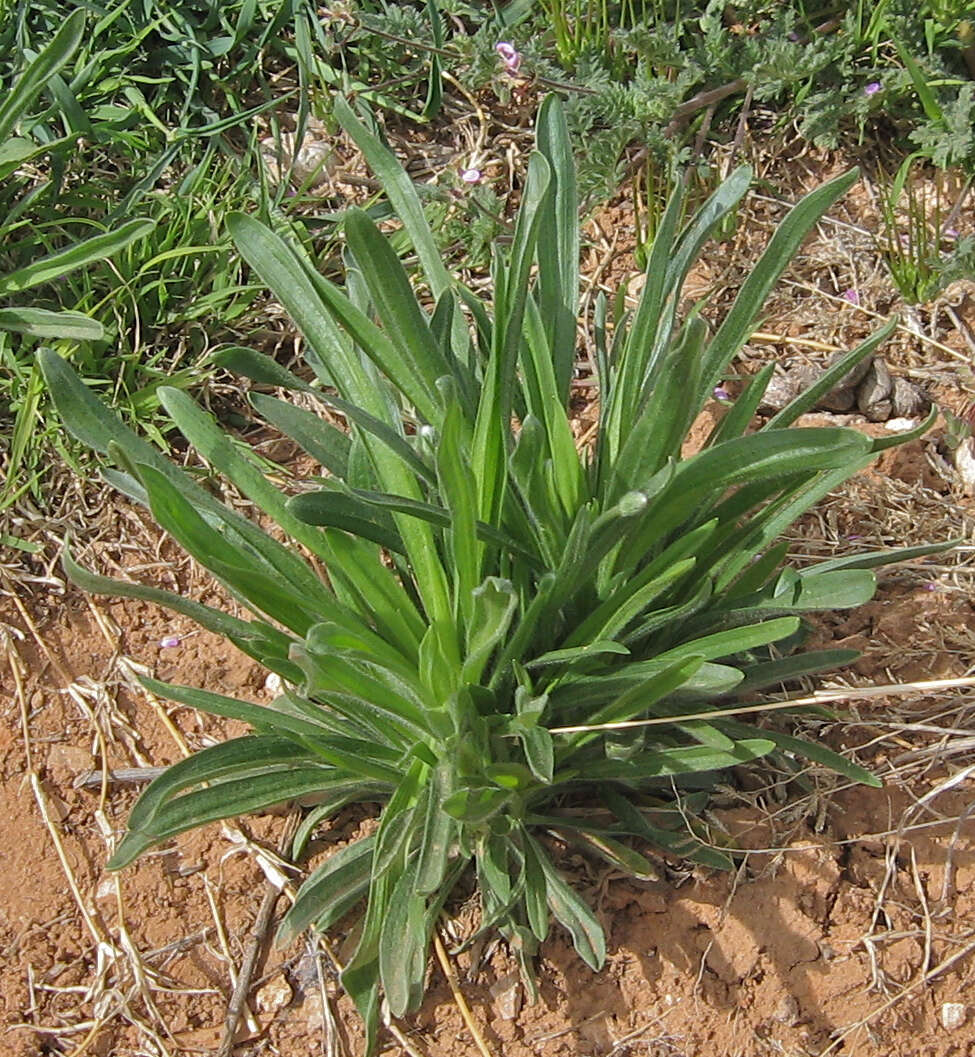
x=852 y=296
x=471 y=176
x=509 y=55
x=720 y=393
x=168 y=642
x=930 y=587
x=872 y=88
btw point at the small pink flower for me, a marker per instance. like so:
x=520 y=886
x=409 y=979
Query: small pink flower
x=168 y=642
x=509 y=55
x=872 y=88
x=852 y=296
x=471 y=176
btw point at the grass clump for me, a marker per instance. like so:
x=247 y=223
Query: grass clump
x=507 y=624
x=126 y=137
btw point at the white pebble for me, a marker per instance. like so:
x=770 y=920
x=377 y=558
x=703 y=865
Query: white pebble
x=965 y=463
x=274 y=995
x=900 y=425
x=953 y=1015
x=272 y=684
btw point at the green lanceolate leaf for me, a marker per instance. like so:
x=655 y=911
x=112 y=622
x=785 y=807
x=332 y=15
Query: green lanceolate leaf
x=457 y=491
x=438 y=832
x=97 y=427
x=618 y=855
x=830 y=378
x=399 y=822
x=587 y=934
x=331 y=891
x=340 y=510
x=785 y=669
x=687 y=759
x=258 y=640
x=402 y=195
x=736 y=328
x=683 y=842
x=32 y=81
x=872 y=559
x=536 y=888
x=574 y=654
x=262 y=718
x=396 y=304
x=96 y=248
x=811 y=750
x=403 y=943
x=320 y=439
x=253 y=772
x=558 y=256
x=739 y=417
x=45 y=323
x=494 y=604
x=492 y=425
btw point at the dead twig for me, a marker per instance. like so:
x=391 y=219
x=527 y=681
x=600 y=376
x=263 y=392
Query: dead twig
x=119 y=776
x=465 y=1009
x=245 y=974
x=238 y=999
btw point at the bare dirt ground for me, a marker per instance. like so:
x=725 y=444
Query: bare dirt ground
x=848 y=928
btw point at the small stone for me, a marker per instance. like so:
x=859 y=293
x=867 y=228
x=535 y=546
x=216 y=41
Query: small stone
x=900 y=425
x=272 y=684
x=787 y=1012
x=314 y=1012
x=875 y=391
x=838 y=400
x=69 y=761
x=781 y=390
x=953 y=1015
x=910 y=401
x=274 y=995
x=313 y=158
x=507 y=996
x=964 y=456
x=855 y=374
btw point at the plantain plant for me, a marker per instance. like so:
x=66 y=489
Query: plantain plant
x=478 y=623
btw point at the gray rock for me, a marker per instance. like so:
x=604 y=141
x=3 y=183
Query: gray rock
x=842 y=397
x=875 y=391
x=910 y=401
x=781 y=389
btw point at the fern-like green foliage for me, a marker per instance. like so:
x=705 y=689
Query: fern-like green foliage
x=497 y=601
